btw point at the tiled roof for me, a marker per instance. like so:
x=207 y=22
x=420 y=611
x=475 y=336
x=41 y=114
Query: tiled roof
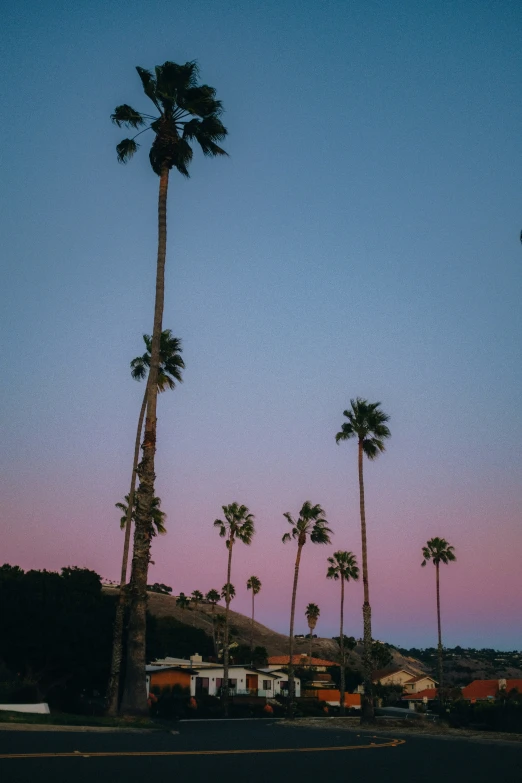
x=429 y=693
x=303 y=660
x=482 y=689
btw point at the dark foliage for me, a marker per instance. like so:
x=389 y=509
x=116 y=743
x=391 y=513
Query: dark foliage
x=242 y=655
x=167 y=636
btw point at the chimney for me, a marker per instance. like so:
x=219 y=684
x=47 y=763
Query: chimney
x=196 y=658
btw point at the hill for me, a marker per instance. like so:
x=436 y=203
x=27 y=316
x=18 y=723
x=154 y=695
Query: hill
x=160 y=605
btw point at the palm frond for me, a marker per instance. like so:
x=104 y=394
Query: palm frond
x=126 y=149
x=149 y=85
x=286 y=538
x=126 y=115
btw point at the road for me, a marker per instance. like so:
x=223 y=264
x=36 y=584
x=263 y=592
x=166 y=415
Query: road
x=254 y=752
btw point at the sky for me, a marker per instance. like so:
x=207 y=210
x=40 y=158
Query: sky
x=360 y=240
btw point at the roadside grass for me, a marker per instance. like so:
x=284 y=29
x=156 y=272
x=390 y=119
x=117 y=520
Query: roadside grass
x=66 y=719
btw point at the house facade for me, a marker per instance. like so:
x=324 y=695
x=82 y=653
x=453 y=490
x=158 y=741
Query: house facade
x=206 y=679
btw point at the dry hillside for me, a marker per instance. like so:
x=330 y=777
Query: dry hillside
x=275 y=643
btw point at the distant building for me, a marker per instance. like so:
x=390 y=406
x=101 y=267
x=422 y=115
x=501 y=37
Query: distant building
x=482 y=690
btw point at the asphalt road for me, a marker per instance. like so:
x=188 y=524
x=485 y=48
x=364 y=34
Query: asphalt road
x=254 y=752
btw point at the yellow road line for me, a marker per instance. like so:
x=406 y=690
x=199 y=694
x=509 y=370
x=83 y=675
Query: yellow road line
x=118 y=754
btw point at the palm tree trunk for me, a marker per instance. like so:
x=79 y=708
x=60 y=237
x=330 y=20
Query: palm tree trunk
x=252 y=632
x=291 y=680
x=134 y=701
x=113 y=689
x=439 y=649
x=310 y=628
x=367 y=710
x=214 y=642
x=225 y=643
x=341 y=644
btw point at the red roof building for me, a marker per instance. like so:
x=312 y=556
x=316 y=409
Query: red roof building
x=479 y=690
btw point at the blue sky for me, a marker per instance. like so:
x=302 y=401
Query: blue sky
x=362 y=239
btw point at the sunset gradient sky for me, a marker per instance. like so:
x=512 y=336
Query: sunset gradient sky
x=362 y=239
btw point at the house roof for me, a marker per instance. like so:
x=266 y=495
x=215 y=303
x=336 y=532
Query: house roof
x=150 y=669
x=428 y=693
x=303 y=660
x=276 y=673
x=219 y=667
x=381 y=673
x=483 y=689
x=419 y=678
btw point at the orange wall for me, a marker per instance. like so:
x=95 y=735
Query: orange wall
x=350 y=699
x=169 y=677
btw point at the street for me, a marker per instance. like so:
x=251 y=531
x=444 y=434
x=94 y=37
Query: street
x=256 y=751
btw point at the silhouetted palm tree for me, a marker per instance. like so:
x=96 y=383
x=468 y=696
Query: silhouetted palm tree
x=367 y=423
x=312 y=613
x=310 y=525
x=196 y=598
x=254 y=584
x=238 y=525
x=184 y=112
x=171 y=365
x=438 y=551
x=343 y=566
x=183 y=601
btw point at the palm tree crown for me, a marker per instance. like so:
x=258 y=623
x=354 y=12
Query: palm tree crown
x=182 y=601
x=366 y=423
x=254 y=584
x=213 y=596
x=343 y=565
x=239 y=523
x=231 y=591
x=439 y=551
x=184 y=112
x=311 y=524
x=171 y=363
x=158 y=516
x=312 y=613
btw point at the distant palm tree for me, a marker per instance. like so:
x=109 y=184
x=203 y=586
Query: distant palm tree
x=183 y=601
x=343 y=566
x=312 y=613
x=184 y=112
x=310 y=525
x=196 y=598
x=238 y=525
x=367 y=423
x=171 y=365
x=254 y=584
x=438 y=551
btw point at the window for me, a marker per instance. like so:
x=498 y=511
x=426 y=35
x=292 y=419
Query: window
x=284 y=685
x=267 y=685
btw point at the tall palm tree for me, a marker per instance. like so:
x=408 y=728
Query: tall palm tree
x=238 y=525
x=343 y=566
x=312 y=525
x=312 y=613
x=158 y=516
x=438 y=551
x=367 y=423
x=171 y=366
x=254 y=584
x=185 y=112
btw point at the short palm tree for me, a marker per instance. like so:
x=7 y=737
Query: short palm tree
x=312 y=613
x=185 y=113
x=183 y=601
x=196 y=598
x=213 y=597
x=311 y=525
x=438 y=551
x=238 y=525
x=158 y=516
x=171 y=366
x=367 y=423
x=254 y=584
x=343 y=566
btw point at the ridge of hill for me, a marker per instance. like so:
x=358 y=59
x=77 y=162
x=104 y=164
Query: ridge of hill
x=161 y=605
